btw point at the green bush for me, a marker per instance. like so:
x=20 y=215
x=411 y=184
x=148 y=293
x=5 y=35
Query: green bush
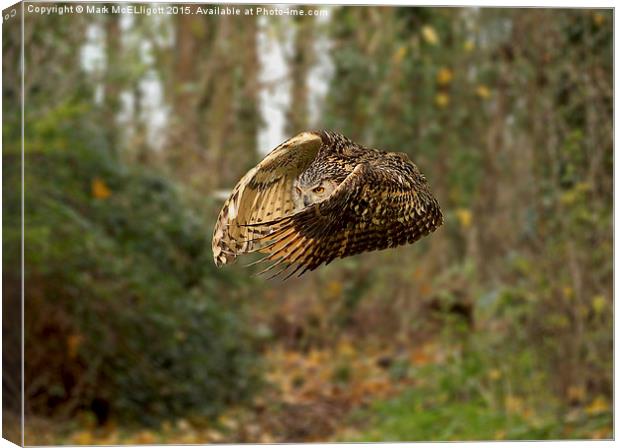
x=126 y=315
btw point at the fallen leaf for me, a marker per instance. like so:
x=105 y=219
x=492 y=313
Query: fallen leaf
x=82 y=438
x=99 y=189
x=400 y=54
x=495 y=374
x=464 y=216
x=576 y=393
x=442 y=100
x=73 y=344
x=483 y=91
x=513 y=404
x=444 y=76
x=469 y=46
x=598 y=405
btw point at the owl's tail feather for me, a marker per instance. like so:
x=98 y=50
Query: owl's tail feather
x=259 y=261
x=285 y=247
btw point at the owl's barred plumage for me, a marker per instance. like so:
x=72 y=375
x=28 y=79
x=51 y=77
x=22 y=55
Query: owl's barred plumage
x=381 y=201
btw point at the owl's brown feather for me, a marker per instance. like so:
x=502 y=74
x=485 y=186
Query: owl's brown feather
x=378 y=206
x=382 y=201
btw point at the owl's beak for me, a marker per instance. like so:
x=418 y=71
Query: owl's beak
x=307 y=201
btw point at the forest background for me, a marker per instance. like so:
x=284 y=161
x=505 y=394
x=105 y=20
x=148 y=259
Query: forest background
x=497 y=326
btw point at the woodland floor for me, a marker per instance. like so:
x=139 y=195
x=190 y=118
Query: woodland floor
x=332 y=395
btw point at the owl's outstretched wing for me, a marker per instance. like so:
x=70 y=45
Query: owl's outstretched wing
x=382 y=204
x=263 y=194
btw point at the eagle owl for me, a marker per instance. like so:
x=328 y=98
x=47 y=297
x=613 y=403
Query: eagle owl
x=319 y=196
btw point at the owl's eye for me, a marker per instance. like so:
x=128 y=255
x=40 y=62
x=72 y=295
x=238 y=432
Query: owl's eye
x=298 y=190
x=318 y=190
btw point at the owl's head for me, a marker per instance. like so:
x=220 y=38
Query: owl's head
x=308 y=191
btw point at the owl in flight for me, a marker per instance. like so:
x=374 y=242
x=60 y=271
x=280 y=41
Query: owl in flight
x=319 y=196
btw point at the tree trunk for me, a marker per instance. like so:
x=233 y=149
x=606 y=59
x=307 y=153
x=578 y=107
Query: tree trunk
x=111 y=83
x=300 y=64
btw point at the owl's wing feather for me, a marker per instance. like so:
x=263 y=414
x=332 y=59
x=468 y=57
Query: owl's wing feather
x=263 y=194
x=379 y=205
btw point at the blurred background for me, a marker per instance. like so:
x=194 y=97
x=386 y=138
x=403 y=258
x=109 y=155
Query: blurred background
x=497 y=326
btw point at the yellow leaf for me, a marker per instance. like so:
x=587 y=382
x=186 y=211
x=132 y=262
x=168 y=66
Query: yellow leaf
x=419 y=357
x=144 y=437
x=513 y=404
x=99 y=189
x=576 y=393
x=73 y=344
x=599 y=19
x=345 y=348
x=469 y=46
x=495 y=374
x=430 y=35
x=567 y=291
x=569 y=197
x=599 y=304
x=375 y=386
x=527 y=413
x=483 y=91
x=334 y=289
x=602 y=433
x=400 y=54
x=314 y=358
x=444 y=76
x=228 y=422
x=442 y=100
x=82 y=438
x=464 y=216
x=599 y=405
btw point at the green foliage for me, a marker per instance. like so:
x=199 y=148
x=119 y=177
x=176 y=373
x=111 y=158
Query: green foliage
x=466 y=398
x=127 y=316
